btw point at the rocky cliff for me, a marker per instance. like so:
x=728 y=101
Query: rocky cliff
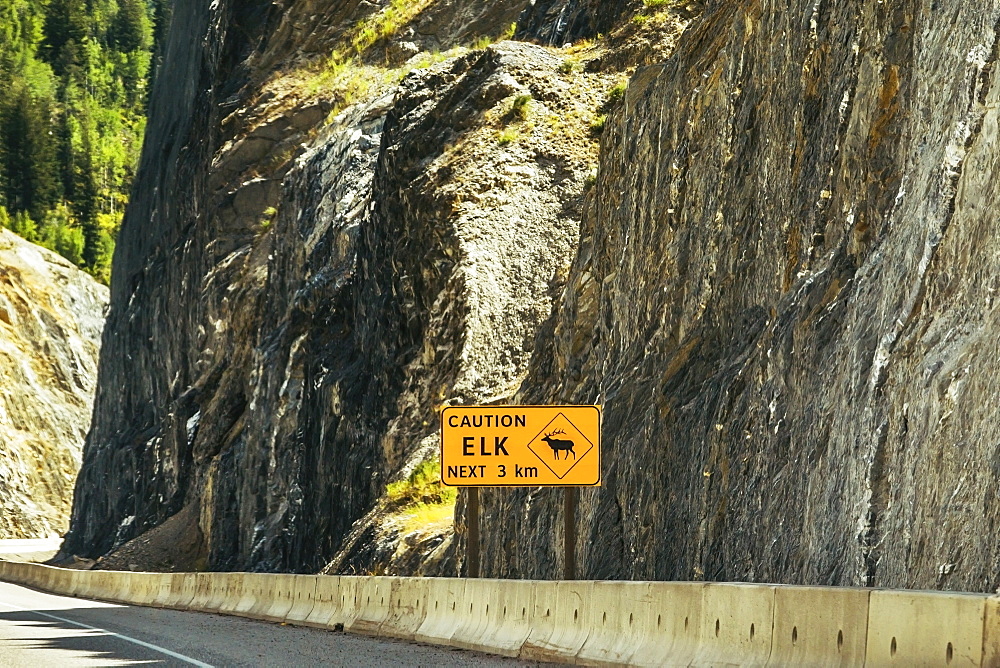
x=778 y=279
x=314 y=261
x=51 y=315
x=785 y=300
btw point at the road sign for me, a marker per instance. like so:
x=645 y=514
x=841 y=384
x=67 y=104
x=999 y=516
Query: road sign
x=521 y=446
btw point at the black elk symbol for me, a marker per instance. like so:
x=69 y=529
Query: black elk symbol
x=558 y=444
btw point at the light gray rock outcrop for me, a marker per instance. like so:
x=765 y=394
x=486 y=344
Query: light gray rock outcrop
x=51 y=316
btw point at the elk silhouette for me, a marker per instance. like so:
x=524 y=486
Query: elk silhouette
x=558 y=444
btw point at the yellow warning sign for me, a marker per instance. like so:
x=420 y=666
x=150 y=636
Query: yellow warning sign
x=536 y=446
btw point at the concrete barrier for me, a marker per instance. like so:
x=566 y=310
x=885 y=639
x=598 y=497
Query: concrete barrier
x=592 y=623
x=912 y=628
x=351 y=602
x=620 y=621
x=239 y=594
x=127 y=588
x=161 y=590
x=991 y=632
x=473 y=621
x=203 y=592
x=817 y=626
x=736 y=621
x=252 y=594
x=275 y=598
x=218 y=592
x=35 y=577
x=407 y=609
x=326 y=602
x=59 y=580
x=144 y=588
x=445 y=598
x=507 y=618
x=672 y=625
x=80 y=586
x=101 y=585
x=179 y=591
x=373 y=611
x=561 y=612
x=303 y=596
x=228 y=593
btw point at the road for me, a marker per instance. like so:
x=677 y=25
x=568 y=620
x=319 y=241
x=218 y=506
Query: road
x=29 y=550
x=39 y=630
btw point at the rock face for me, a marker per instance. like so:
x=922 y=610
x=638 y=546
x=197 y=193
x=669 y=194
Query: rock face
x=556 y=22
x=51 y=315
x=293 y=299
x=786 y=302
x=781 y=287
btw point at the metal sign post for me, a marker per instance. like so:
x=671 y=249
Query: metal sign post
x=472 y=524
x=569 y=532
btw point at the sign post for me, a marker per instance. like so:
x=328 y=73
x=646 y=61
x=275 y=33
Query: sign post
x=569 y=532
x=521 y=446
x=472 y=524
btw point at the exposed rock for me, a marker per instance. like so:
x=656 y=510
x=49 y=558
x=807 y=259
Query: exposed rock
x=444 y=23
x=469 y=240
x=51 y=315
x=785 y=302
x=277 y=353
x=177 y=545
x=556 y=22
x=782 y=293
x=401 y=51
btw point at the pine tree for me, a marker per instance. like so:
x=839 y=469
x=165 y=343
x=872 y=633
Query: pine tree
x=87 y=198
x=28 y=153
x=132 y=30
x=73 y=82
x=65 y=22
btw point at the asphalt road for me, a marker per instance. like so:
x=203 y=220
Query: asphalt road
x=29 y=550
x=39 y=629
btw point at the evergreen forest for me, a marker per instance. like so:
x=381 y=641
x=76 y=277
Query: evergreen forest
x=74 y=76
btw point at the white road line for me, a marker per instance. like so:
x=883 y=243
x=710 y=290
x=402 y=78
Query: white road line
x=155 y=648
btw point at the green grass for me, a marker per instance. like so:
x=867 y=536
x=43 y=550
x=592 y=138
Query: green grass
x=348 y=80
x=508 y=136
x=421 y=500
x=423 y=515
x=268 y=216
x=422 y=487
x=614 y=96
x=385 y=24
x=617 y=93
x=521 y=108
x=484 y=41
x=569 y=65
x=428 y=58
x=353 y=72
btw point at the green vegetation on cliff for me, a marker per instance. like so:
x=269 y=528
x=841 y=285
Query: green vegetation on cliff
x=73 y=82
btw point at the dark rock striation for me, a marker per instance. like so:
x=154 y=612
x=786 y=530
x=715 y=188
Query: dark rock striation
x=785 y=300
x=555 y=22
